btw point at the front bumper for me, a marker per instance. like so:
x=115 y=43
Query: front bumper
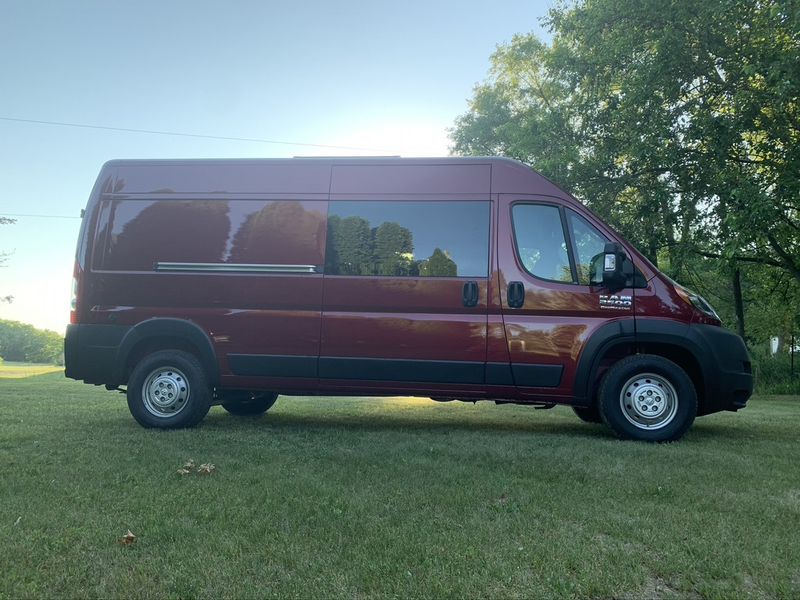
x=726 y=366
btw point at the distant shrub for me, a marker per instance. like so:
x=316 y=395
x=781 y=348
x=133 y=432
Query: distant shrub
x=773 y=373
x=24 y=343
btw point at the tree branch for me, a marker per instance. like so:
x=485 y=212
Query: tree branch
x=788 y=261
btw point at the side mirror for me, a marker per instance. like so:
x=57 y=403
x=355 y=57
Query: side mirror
x=611 y=268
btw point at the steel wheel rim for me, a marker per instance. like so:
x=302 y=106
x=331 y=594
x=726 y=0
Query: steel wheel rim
x=648 y=401
x=165 y=392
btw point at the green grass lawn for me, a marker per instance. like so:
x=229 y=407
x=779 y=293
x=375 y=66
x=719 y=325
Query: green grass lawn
x=392 y=497
x=15 y=370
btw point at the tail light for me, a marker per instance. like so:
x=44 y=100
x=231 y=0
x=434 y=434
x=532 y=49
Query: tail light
x=76 y=290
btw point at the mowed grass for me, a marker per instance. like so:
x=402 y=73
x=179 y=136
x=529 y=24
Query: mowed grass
x=15 y=370
x=326 y=497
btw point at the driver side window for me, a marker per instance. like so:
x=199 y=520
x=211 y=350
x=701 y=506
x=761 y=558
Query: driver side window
x=589 y=242
x=541 y=244
x=555 y=249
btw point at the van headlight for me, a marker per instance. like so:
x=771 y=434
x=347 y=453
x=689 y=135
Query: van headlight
x=697 y=301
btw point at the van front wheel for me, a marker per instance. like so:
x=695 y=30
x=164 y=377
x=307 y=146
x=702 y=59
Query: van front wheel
x=168 y=389
x=649 y=398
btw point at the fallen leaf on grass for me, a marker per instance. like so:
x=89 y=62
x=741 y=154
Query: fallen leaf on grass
x=206 y=469
x=127 y=539
x=17 y=521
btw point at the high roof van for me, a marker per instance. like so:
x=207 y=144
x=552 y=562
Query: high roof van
x=202 y=282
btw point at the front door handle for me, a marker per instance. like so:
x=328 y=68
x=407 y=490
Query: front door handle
x=469 y=294
x=516 y=294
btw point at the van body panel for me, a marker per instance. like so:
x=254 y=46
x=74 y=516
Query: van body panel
x=384 y=321
x=258 y=267
x=245 y=313
x=221 y=177
x=547 y=334
x=511 y=177
x=425 y=179
x=659 y=300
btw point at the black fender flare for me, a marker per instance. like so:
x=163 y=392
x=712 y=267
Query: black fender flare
x=158 y=327
x=626 y=331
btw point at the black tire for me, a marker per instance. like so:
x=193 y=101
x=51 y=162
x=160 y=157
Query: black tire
x=160 y=374
x=244 y=403
x=666 y=390
x=588 y=414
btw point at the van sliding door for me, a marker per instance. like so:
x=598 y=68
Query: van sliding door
x=405 y=295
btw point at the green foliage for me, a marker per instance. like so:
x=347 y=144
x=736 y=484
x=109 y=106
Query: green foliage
x=774 y=374
x=438 y=265
x=349 y=246
x=24 y=343
x=678 y=122
x=388 y=249
x=394 y=249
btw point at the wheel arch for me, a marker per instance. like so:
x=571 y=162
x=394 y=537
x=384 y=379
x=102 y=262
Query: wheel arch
x=166 y=333
x=619 y=339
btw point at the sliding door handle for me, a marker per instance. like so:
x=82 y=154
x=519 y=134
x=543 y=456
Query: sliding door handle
x=469 y=294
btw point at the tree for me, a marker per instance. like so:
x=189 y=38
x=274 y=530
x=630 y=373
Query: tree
x=4 y=256
x=25 y=343
x=349 y=246
x=438 y=265
x=677 y=121
x=394 y=249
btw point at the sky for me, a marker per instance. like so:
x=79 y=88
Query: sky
x=380 y=77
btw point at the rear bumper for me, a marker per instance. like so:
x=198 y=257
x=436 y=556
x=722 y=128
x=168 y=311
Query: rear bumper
x=728 y=370
x=90 y=352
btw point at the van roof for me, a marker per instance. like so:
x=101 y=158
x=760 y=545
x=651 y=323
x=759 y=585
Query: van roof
x=326 y=175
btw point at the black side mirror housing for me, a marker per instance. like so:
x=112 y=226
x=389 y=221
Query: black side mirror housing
x=611 y=269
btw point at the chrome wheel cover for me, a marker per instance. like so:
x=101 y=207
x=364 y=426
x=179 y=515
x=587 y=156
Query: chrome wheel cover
x=648 y=401
x=165 y=392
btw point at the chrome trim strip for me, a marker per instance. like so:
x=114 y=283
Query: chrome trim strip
x=233 y=268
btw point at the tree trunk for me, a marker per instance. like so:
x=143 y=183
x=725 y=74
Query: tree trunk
x=737 y=300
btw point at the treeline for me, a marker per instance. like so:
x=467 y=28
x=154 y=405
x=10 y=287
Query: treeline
x=21 y=342
x=679 y=123
x=355 y=248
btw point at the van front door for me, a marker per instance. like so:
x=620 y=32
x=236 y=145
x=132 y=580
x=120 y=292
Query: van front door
x=405 y=296
x=549 y=309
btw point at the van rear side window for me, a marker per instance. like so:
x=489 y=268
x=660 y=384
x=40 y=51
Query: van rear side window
x=408 y=239
x=145 y=232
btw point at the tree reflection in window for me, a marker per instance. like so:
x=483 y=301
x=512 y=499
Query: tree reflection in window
x=387 y=238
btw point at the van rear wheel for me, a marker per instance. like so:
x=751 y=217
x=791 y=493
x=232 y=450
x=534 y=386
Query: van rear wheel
x=649 y=398
x=245 y=403
x=168 y=389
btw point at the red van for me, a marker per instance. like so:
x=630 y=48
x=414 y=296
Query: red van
x=201 y=282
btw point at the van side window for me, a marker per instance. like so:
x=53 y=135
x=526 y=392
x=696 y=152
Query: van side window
x=408 y=239
x=540 y=240
x=143 y=232
x=589 y=242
